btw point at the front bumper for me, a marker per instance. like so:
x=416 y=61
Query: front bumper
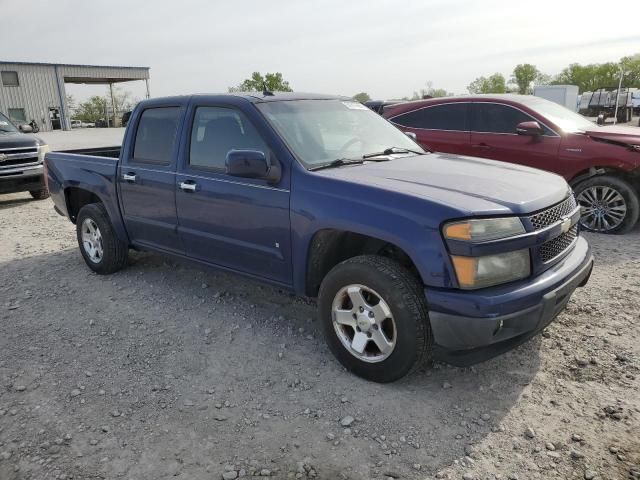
x=470 y=327
x=21 y=179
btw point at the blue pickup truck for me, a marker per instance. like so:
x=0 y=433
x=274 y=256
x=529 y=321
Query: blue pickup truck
x=410 y=254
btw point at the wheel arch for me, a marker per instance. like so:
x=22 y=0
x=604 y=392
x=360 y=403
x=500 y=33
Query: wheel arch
x=632 y=177
x=330 y=246
x=78 y=197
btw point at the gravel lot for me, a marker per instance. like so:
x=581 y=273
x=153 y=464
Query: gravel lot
x=170 y=370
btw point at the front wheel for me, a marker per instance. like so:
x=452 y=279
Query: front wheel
x=101 y=248
x=609 y=204
x=374 y=317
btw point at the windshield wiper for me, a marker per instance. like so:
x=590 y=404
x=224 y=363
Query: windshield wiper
x=390 y=151
x=347 y=161
x=339 y=162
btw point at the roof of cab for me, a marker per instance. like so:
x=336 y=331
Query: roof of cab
x=259 y=97
x=238 y=97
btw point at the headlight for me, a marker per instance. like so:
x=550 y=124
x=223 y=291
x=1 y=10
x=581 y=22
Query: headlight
x=480 y=272
x=42 y=150
x=482 y=230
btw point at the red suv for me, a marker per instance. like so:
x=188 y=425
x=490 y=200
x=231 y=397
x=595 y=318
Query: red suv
x=602 y=163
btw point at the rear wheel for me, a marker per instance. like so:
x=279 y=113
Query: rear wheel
x=39 y=194
x=374 y=316
x=609 y=204
x=101 y=248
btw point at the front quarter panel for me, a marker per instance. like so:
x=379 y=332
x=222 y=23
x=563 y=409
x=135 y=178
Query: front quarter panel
x=578 y=153
x=319 y=202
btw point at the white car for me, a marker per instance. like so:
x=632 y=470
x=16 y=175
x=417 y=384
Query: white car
x=76 y=124
x=88 y=125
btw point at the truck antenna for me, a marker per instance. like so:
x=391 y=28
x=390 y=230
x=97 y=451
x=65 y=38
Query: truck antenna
x=265 y=90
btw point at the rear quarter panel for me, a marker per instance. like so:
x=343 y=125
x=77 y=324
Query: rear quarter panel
x=91 y=173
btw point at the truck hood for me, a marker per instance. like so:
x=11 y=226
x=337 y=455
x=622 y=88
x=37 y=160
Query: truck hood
x=473 y=186
x=18 y=140
x=621 y=135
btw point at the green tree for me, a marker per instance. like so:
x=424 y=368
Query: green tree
x=272 y=81
x=496 y=83
x=430 y=91
x=122 y=100
x=589 y=77
x=631 y=66
x=361 y=97
x=92 y=109
x=524 y=74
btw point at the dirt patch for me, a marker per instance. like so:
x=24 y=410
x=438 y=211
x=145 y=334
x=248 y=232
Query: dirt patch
x=169 y=370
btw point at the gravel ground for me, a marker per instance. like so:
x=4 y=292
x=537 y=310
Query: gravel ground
x=170 y=370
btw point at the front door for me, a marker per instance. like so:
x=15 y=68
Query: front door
x=238 y=223
x=493 y=135
x=146 y=180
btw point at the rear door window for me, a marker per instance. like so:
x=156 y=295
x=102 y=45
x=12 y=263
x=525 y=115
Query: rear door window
x=156 y=135
x=451 y=116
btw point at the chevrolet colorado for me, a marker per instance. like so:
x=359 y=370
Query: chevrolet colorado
x=408 y=257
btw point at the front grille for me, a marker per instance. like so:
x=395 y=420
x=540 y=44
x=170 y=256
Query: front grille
x=554 y=247
x=12 y=157
x=553 y=214
x=12 y=162
x=14 y=151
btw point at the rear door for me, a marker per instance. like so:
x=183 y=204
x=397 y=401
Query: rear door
x=147 y=179
x=442 y=128
x=238 y=223
x=493 y=135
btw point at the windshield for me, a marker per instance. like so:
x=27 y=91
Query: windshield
x=6 y=125
x=320 y=131
x=564 y=118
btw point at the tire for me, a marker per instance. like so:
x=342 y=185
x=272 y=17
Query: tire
x=108 y=253
x=588 y=189
x=40 y=194
x=409 y=330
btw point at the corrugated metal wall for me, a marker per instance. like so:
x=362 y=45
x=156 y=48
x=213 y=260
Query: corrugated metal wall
x=41 y=86
x=35 y=94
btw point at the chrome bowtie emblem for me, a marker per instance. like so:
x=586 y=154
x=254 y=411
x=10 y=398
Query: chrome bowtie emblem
x=565 y=225
x=3 y=157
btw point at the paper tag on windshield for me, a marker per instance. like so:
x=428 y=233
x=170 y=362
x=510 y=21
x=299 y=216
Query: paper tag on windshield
x=354 y=105
x=3 y=123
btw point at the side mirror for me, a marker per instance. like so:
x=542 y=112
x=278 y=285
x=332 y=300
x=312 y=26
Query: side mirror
x=530 y=129
x=412 y=136
x=25 y=128
x=251 y=164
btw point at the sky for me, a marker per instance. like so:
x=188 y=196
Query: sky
x=386 y=48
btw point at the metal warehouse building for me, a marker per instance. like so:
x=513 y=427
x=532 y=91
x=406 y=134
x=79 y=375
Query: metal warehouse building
x=37 y=90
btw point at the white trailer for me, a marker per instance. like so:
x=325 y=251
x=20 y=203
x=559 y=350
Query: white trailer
x=565 y=95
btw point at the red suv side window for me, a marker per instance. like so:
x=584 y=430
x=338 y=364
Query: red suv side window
x=451 y=116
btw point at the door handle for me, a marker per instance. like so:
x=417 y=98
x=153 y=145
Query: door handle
x=129 y=177
x=188 y=186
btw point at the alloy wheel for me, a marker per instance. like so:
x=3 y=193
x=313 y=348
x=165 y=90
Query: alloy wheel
x=603 y=208
x=364 y=323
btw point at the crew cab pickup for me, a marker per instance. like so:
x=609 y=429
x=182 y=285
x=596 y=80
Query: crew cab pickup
x=21 y=158
x=408 y=256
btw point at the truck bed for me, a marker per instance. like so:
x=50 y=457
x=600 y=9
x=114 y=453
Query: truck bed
x=110 y=152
